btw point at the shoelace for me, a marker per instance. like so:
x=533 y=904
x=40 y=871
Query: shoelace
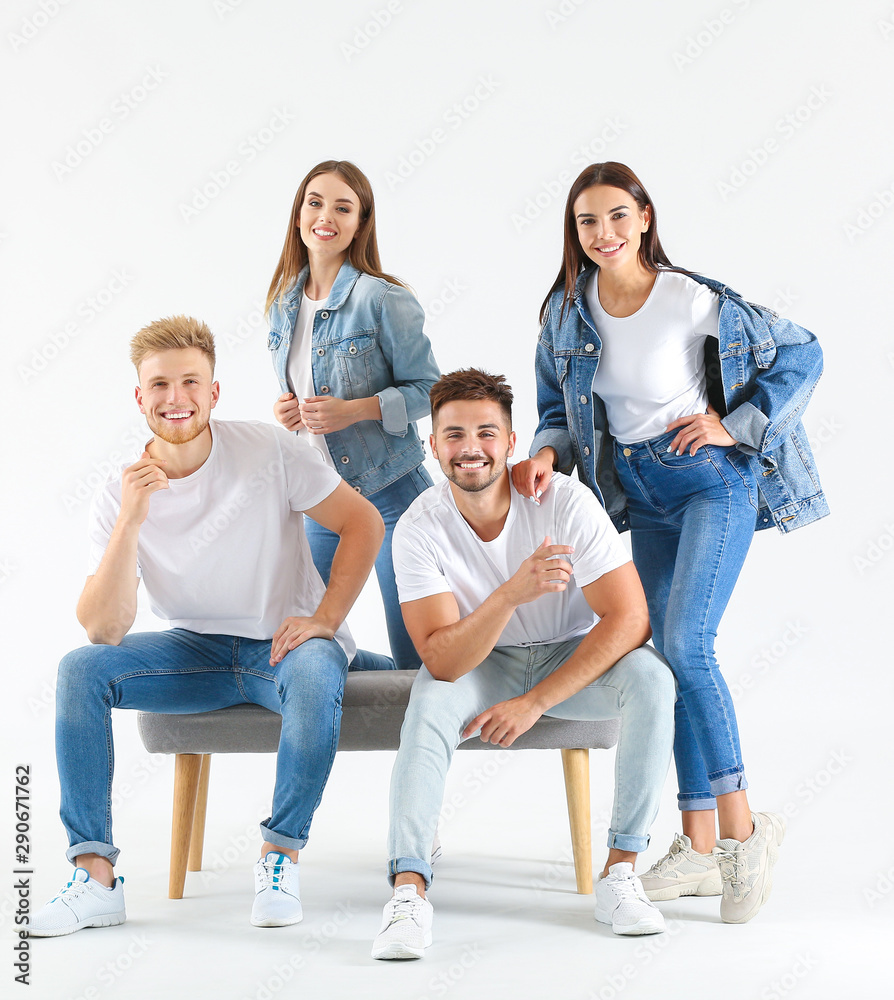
x=274 y=876
x=730 y=865
x=625 y=886
x=662 y=865
x=405 y=909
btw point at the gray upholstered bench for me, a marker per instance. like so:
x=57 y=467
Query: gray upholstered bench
x=373 y=710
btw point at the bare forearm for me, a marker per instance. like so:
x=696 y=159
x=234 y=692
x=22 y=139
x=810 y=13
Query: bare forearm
x=108 y=604
x=367 y=408
x=454 y=650
x=354 y=557
x=605 y=644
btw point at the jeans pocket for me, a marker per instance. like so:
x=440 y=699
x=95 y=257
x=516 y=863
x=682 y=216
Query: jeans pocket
x=742 y=466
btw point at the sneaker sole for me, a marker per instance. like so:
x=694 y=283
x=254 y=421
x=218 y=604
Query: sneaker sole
x=647 y=925
x=707 y=887
x=772 y=857
x=103 y=920
x=277 y=921
x=398 y=950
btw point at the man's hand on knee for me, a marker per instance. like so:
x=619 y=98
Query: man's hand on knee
x=293 y=632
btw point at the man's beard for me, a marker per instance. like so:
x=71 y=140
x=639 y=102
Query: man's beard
x=475 y=487
x=174 y=433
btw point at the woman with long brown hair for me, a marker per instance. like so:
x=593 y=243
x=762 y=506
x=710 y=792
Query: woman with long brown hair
x=679 y=403
x=354 y=365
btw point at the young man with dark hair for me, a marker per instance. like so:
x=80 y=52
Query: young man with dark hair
x=523 y=610
x=209 y=516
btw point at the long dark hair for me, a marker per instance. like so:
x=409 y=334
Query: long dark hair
x=364 y=249
x=574 y=260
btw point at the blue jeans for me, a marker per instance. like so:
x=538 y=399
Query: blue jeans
x=692 y=519
x=179 y=672
x=390 y=502
x=638 y=689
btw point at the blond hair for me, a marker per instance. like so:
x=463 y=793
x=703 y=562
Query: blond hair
x=172 y=333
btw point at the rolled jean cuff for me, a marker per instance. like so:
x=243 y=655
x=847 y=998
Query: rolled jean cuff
x=727 y=783
x=93 y=847
x=416 y=865
x=272 y=837
x=627 y=842
x=696 y=802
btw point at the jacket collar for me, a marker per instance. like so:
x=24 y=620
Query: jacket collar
x=717 y=286
x=341 y=289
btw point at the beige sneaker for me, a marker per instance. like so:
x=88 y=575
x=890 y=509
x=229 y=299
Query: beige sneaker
x=682 y=872
x=747 y=868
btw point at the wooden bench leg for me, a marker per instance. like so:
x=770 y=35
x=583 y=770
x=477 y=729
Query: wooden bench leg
x=197 y=840
x=576 y=765
x=186 y=782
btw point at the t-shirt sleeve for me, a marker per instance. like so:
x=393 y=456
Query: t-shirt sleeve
x=598 y=548
x=705 y=311
x=417 y=567
x=309 y=480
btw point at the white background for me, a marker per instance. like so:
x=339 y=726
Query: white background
x=762 y=132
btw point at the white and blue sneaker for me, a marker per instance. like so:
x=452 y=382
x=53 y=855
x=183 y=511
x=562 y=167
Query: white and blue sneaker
x=82 y=902
x=277 y=902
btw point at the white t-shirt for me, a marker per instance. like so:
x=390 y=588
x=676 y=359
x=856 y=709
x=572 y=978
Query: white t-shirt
x=652 y=367
x=300 y=367
x=223 y=551
x=436 y=552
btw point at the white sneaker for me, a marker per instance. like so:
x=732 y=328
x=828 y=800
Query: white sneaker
x=746 y=868
x=682 y=872
x=622 y=902
x=406 y=925
x=277 y=902
x=82 y=902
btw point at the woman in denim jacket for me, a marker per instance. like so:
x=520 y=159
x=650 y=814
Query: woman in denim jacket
x=354 y=366
x=706 y=393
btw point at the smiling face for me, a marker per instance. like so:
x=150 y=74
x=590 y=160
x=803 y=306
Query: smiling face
x=177 y=393
x=329 y=216
x=472 y=441
x=610 y=226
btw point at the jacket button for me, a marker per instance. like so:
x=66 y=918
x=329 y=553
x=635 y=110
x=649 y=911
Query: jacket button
x=589 y=347
x=584 y=399
x=586 y=450
x=627 y=453
x=321 y=351
x=324 y=388
x=357 y=489
x=352 y=349
x=324 y=314
x=345 y=460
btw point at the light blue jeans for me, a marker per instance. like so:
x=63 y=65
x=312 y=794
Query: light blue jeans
x=390 y=502
x=638 y=689
x=692 y=519
x=179 y=672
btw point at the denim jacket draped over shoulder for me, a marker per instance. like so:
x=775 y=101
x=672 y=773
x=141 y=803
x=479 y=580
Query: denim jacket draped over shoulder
x=760 y=373
x=367 y=341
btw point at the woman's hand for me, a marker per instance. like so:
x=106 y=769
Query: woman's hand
x=286 y=411
x=531 y=477
x=325 y=414
x=699 y=429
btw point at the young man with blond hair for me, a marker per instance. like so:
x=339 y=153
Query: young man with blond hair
x=523 y=611
x=209 y=516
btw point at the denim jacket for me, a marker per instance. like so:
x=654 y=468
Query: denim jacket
x=367 y=341
x=760 y=374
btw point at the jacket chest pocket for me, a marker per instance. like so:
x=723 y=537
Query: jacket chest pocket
x=358 y=359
